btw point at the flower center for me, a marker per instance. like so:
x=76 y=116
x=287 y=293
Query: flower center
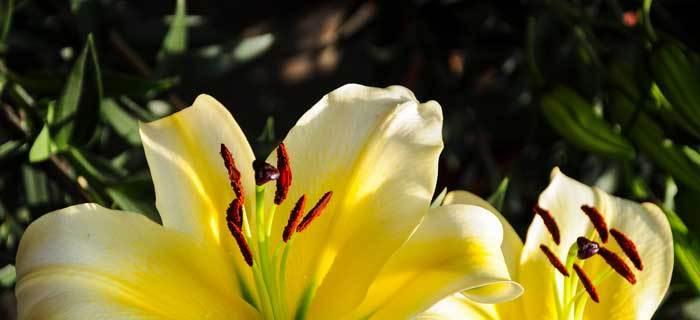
x=571 y=300
x=269 y=266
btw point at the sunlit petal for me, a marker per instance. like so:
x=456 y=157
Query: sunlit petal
x=456 y=248
x=191 y=182
x=88 y=262
x=377 y=150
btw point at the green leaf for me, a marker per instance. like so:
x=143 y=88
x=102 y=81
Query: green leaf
x=175 y=41
x=122 y=122
x=135 y=195
x=574 y=118
x=97 y=170
x=36 y=186
x=6 y=20
x=43 y=147
x=11 y=148
x=120 y=84
x=498 y=198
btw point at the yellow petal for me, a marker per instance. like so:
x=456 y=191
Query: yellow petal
x=511 y=246
x=88 y=262
x=458 y=307
x=190 y=179
x=455 y=249
x=377 y=150
x=543 y=284
x=645 y=225
x=648 y=227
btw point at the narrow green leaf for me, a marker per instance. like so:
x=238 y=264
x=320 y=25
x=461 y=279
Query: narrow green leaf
x=498 y=198
x=135 y=195
x=94 y=168
x=67 y=106
x=43 y=147
x=268 y=133
x=122 y=122
x=36 y=187
x=175 y=41
x=11 y=148
x=6 y=20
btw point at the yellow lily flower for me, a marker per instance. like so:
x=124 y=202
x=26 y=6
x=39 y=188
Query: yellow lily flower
x=232 y=246
x=628 y=274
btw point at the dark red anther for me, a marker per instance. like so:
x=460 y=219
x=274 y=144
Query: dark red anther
x=587 y=284
x=628 y=247
x=549 y=222
x=315 y=211
x=285 y=170
x=234 y=212
x=586 y=248
x=234 y=176
x=264 y=172
x=294 y=218
x=242 y=243
x=597 y=220
x=554 y=260
x=617 y=264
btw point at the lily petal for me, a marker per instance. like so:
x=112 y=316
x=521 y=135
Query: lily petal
x=88 y=262
x=512 y=245
x=648 y=227
x=563 y=199
x=377 y=150
x=455 y=249
x=458 y=307
x=190 y=179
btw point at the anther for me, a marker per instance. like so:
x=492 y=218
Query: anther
x=242 y=243
x=548 y=222
x=587 y=284
x=554 y=260
x=294 y=218
x=628 y=247
x=597 y=220
x=234 y=176
x=617 y=264
x=264 y=172
x=285 y=171
x=315 y=211
x=586 y=248
x=234 y=212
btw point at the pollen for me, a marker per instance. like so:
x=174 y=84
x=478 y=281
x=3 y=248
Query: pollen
x=315 y=211
x=628 y=247
x=234 y=176
x=597 y=220
x=234 y=212
x=617 y=264
x=587 y=284
x=294 y=218
x=240 y=240
x=549 y=222
x=285 y=178
x=554 y=260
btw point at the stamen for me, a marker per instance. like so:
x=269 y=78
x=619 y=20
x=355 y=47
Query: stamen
x=234 y=176
x=285 y=170
x=628 y=247
x=315 y=211
x=294 y=218
x=587 y=284
x=586 y=248
x=264 y=172
x=234 y=212
x=597 y=220
x=549 y=222
x=242 y=243
x=554 y=260
x=617 y=264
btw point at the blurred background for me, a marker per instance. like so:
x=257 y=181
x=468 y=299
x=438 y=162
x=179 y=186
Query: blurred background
x=609 y=90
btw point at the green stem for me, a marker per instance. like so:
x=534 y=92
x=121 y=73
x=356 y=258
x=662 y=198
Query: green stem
x=646 y=8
